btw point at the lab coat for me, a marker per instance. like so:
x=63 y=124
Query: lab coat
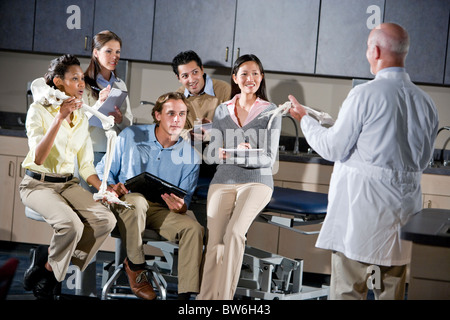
x=381 y=142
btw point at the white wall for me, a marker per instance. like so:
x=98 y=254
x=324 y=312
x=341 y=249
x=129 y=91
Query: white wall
x=148 y=81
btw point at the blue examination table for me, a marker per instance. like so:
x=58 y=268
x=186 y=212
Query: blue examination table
x=269 y=276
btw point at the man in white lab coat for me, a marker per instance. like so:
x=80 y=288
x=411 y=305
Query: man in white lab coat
x=380 y=143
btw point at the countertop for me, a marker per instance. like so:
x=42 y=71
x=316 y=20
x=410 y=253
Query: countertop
x=429 y=227
x=305 y=156
x=13 y=124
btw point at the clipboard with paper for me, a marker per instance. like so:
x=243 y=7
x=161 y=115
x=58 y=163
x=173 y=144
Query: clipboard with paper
x=152 y=187
x=115 y=98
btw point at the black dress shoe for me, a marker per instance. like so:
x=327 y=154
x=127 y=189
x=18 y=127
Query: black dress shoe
x=47 y=288
x=36 y=269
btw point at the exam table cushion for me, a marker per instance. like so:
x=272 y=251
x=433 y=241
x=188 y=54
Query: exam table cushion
x=284 y=200
x=297 y=201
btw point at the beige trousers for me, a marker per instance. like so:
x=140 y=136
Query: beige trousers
x=349 y=280
x=172 y=226
x=231 y=209
x=80 y=224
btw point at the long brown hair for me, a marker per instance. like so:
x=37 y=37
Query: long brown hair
x=261 y=93
x=99 y=40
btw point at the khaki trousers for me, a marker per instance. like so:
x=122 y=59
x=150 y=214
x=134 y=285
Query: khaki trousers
x=350 y=280
x=231 y=209
x=172 y=226
x=80 y=224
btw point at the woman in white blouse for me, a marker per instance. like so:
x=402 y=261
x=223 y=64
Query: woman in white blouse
x=100 y=77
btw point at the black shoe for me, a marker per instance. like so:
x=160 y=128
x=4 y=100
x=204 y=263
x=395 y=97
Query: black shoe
x=47 y=287
x=184 y=296
x=35 y=271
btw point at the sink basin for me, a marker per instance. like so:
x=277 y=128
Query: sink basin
x=302 y=157
x=302 y=154
x=12 y=127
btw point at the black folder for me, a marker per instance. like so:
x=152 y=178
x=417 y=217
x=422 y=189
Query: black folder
x=152 y=187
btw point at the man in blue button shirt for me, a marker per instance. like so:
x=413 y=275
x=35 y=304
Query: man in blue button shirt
x=159 y=150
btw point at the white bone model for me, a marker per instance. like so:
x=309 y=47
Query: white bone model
x=44 y=94
x=322 y=117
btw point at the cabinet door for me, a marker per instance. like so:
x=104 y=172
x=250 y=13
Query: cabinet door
x=436 y=201
x=25 y=229
x=205 y=26
x=343 y=31
x=282 y=33
x=7 y=177
x=64 y=26
x=16 y=24
x=447 y=65
x=427 y=25
x=132 y=21
x=19 y=207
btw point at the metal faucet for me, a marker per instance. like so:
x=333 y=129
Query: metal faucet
x=445 y=162
x=148 y=102
x=296 y=143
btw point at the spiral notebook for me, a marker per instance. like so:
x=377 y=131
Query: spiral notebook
x=152 y=187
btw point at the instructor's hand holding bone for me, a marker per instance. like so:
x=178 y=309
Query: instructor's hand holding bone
x=297 y=111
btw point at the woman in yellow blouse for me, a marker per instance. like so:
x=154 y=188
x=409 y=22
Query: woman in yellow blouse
x=58 y=139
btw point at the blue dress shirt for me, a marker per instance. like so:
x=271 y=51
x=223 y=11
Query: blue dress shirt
x=137 y=150
x=103 y=83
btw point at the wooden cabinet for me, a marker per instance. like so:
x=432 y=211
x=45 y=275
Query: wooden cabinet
x=207 y=27
x=344 y=28
x=427 y=53
x=7 y=176
x=16 y=24
x=64 y=26
x=316 y=178
x=25 y=229
x=429 y=276
x=132 y=21
x=14 y=225
x=288 y=243
x=436 y=191
x=11 y=174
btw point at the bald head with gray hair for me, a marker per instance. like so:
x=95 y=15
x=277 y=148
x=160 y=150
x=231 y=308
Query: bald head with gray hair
x=387 y=46
x=391 y=37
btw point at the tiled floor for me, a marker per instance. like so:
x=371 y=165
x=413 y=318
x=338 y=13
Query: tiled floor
x=21 y=252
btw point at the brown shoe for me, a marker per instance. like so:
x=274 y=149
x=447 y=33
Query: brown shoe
x=139 y=283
